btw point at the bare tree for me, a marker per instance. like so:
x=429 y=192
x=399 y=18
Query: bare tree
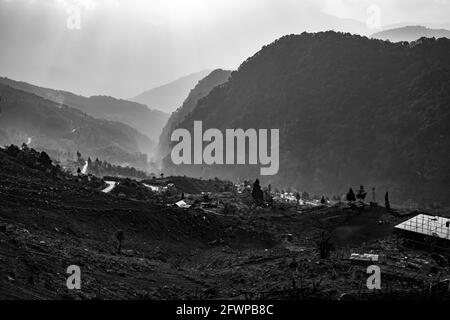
x=120 y=236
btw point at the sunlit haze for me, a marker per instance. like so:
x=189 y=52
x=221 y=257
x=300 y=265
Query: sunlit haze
x=122 y=48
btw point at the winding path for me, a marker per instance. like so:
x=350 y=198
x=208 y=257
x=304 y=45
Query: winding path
x=110 y=187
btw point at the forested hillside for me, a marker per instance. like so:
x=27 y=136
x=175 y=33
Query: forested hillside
x=136 y=115
x=350 y=110
x=201 y=90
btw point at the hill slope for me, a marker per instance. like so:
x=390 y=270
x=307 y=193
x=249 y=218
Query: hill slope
x=170 y=96
x=201 y=90
x=26 y=117
x=410 y=33
x=50 y=220
x=149 y=122
x=350 y=111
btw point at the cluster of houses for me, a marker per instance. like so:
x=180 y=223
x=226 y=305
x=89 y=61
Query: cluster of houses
x=279 y=196
x=420 y=228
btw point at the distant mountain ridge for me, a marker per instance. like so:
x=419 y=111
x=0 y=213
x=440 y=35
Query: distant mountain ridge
x=170 y=96
x=148 y=122
x=29 y=118
x=410 y=33
x=201 y=90
x=350 y=110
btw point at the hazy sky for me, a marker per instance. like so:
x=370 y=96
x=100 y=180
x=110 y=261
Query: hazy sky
x=124 y=47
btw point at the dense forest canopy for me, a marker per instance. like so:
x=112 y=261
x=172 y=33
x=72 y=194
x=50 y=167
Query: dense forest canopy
x=350 y=110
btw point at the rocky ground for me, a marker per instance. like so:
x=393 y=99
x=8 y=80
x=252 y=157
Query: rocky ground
x=51 y=220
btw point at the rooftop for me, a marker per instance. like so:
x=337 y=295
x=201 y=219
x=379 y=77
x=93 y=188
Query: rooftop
x=433 y=226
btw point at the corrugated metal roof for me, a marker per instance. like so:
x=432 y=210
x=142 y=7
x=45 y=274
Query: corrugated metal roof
x=433 y=226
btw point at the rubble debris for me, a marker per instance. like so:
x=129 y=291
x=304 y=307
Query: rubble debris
x=365 y=257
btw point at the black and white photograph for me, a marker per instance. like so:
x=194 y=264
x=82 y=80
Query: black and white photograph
x=251 y=152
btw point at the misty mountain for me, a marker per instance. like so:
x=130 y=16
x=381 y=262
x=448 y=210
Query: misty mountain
x=148 y=122
x=410 y=33
x=170 y=96
x=201 y=90
x=350 y=110
x=26 y=117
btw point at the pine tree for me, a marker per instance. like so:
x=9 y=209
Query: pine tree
x=257 y=193
x=351 y=196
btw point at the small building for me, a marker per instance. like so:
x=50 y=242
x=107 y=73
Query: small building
x=426 y=228
x=182 y=204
